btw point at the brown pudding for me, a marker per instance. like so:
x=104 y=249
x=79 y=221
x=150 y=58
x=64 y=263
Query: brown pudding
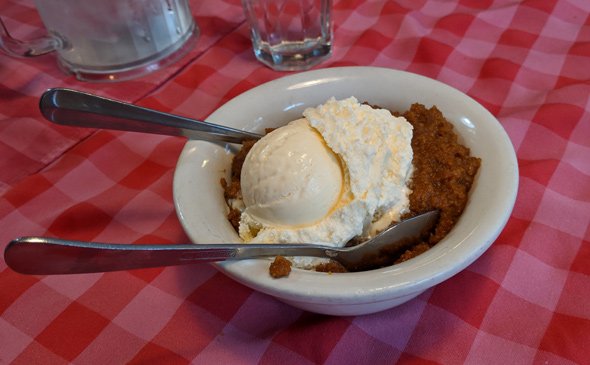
x=443 y=174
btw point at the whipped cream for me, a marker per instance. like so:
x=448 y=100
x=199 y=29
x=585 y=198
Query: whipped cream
x=357 y=187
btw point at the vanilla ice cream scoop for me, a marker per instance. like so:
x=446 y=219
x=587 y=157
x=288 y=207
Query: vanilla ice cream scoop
x=290 y=177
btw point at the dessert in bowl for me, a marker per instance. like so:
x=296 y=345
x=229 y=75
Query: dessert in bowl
x=202 y=209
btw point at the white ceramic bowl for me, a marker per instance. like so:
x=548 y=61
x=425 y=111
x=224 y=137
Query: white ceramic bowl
x=202 y=211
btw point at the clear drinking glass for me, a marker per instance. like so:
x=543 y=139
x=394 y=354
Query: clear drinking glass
x=290 y=35
x=108 y=40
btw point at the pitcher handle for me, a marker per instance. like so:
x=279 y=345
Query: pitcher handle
x=32 y=48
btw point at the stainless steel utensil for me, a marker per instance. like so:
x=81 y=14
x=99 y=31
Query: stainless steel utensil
x=47 y=256
x=76 y=108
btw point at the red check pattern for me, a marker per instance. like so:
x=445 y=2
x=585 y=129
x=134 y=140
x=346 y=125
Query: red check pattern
x=525 y=301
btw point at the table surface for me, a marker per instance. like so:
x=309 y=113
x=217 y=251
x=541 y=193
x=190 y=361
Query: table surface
x=524 y=301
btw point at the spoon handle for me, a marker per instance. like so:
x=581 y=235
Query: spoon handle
x=50 y=256
x=76 y=108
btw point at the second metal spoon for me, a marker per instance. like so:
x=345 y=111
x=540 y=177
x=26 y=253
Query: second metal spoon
x=76 y=108
x=47 y=256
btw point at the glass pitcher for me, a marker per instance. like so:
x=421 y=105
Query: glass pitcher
x=109 y=40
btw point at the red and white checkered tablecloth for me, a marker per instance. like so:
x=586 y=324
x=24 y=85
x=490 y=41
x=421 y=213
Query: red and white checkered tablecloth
x=525 y=301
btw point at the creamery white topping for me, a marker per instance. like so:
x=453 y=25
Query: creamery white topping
x=363 y=189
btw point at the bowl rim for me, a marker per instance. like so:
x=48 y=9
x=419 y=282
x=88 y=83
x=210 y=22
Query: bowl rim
x=432 y=267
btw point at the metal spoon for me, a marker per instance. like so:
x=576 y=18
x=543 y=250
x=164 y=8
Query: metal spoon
x=48 y=256
x=76 y=108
